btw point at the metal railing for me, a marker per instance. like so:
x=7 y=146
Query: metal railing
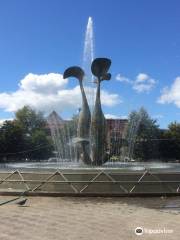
x=126 y=187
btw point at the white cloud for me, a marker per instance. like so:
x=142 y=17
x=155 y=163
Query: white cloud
x=112 y=116
x=5 y=119
x=142 y=83
x=48 y=92
x=109 y=99
x=44 y=83
x=122 y=78
x=171 y=94
x=142 y=77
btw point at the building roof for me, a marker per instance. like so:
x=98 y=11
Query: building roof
x=54 y=117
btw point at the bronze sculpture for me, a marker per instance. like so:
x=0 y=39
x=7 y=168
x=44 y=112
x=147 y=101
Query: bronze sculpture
x=91 y=131
x=82 y=139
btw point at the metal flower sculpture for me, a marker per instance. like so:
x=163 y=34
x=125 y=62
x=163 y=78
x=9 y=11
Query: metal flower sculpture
x=82 y=139
x=91 y=132
x=99 y=68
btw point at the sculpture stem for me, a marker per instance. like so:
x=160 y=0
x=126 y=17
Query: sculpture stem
x=84 y=99
x=98 y=95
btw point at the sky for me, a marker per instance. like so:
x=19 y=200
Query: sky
x=39 y=39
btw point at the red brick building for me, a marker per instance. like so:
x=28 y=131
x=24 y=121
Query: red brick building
x=115 y=127
x=116 y=130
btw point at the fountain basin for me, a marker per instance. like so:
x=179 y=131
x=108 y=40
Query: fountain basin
x=101 y=181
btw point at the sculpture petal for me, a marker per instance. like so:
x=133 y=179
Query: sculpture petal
x=106 y=77
x=74 y=71
x=100 y=66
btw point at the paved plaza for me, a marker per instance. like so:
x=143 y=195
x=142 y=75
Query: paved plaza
x=76 y=218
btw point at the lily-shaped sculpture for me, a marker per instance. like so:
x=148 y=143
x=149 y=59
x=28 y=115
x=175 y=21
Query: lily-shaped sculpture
x=84 y=117
x=99 y=68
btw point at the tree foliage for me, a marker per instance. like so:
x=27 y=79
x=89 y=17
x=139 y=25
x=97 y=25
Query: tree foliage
x=11 y=140
x=170 y=144
x=30 y=120
x=25 y=137
x=142 y=136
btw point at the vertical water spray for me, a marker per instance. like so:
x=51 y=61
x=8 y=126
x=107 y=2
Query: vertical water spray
x=88 y=56
x=131 y=134
x=88 y=53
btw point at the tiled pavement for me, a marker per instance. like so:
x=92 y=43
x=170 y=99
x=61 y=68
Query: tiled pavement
x=46 y=218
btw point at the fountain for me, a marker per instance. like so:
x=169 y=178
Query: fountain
x=83 y=164
x=89 y=140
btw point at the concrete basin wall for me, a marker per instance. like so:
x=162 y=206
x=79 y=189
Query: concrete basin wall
x=87 y=182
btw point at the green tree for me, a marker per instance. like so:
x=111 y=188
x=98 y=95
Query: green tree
x=142 y=136
x=170 y=144
x=35 y=130
x=41 y=145
x=25 y=137
x=30 y=120
x=11 y=141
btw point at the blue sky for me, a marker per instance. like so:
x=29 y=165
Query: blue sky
x=46 y=36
